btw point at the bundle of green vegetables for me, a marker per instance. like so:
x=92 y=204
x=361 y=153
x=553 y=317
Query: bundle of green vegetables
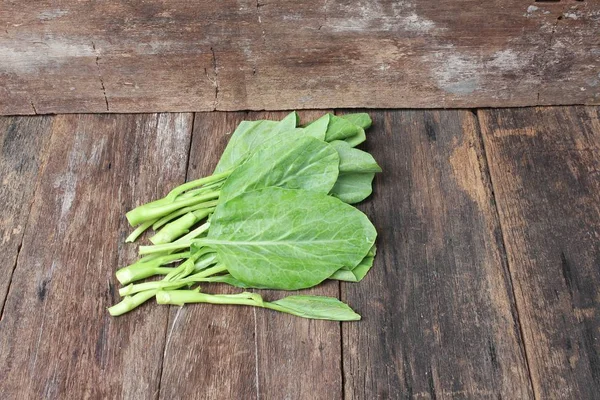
x=275 y=214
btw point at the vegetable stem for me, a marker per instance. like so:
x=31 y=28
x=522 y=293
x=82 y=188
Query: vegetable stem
x=131 y=302
x=198 y=182
x=147 y=267
x=152 y=212
x=180 y=297
x=139 y=230
x=180 y=227
x=182 y=211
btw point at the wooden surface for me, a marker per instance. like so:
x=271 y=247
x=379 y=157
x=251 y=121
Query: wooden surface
x=439 y=317
x=485 y=283
x=545 y=165
x=157 y=55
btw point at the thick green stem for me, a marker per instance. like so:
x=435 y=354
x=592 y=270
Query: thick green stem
x=147 y=267
x=199 y=276
x=151 y=212
x=130 y=302
x=164 y=248
x=149 y=286
x=198 y=182
x=187 y=267
x=195 y=233
x=180 y=297
x=174 y=284
x=203 y=189
x=139 y=230
x=180 y=227
x=182 y=211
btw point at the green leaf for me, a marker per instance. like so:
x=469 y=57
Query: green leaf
x=353 y=188
x=292 y=162
x=249 y=135
x=357 y=170
x=354 y=160
x=315 y=307
x=356 y=139
x=288 y=239
x=359 y=272
x=318 y=128
x=360 y=119
x=340 y=128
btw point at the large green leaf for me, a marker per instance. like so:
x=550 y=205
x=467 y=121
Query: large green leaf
x=288 y=239
x=293 y=162
x=249 y=135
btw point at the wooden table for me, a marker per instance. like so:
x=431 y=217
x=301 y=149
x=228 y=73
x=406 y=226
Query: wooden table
x=485 y=284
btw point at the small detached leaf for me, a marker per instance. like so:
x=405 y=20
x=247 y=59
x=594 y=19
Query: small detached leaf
x=315 y=307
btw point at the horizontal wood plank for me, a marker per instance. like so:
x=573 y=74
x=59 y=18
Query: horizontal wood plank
x=57 y=339
x=545 y=166
x=438 y=313
x=196 y=56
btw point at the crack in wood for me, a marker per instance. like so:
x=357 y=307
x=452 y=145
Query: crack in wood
x=216 y=80
x=34 y=109
x=100 y=76
x=12 y=272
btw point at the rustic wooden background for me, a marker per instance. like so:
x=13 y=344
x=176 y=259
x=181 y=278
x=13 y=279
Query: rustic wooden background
x=175 y=55
x=485 y=285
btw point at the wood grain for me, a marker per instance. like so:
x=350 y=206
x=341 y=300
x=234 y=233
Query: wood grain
x=309 y=366
x=545 y=165
x=226 y=352
x=56 y=337
x=438 y=315
x=23 y=142
x=177 y=55
x=210 y=349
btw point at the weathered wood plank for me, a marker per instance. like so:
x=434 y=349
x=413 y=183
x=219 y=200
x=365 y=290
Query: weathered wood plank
x=238 y=352
x=56 y=337
x=309 y=366
x=197 y=56
x=23 y=142
x=438 y=314
x=545 y=165
x=210 y=351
